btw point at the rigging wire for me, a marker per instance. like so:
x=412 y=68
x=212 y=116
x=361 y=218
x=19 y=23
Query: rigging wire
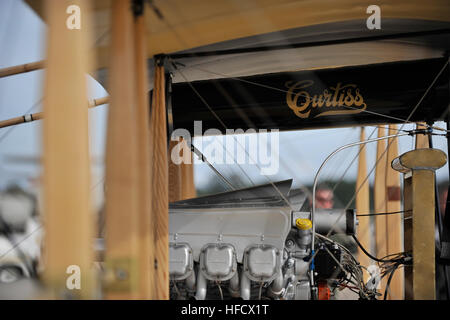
x=385 y=116
x=7 y=132
x=402 y=259
x=382 y=213
x=389 y=144
x=352 y=269
x=286 y=91
x=384 y=127
x=217 y=117
x=10 y=129
x=250 y=124
x=389 y=281
x=174 y=63
x=388 y=266
x=331 y=176
x=255 y=49
x=351 y=163
x=409 y=117
x=225 y=127
x=373 y=168
x=203 y=158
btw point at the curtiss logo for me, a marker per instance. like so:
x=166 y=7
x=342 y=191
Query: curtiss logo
x=342 y=99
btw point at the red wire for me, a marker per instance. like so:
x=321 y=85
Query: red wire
x=350 y=287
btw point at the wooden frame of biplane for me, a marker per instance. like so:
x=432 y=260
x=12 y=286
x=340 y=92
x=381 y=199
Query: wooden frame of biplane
x=140 y=180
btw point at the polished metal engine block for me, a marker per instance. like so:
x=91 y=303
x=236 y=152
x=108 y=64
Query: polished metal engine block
x=247 y=242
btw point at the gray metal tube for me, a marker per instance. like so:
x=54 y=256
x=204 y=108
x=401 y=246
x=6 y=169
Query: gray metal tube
x=316 y=180
x=245 y=287
x=190 y=282
x=234 y=286
x=276 y=288
x=335 y=220
x=201 y=287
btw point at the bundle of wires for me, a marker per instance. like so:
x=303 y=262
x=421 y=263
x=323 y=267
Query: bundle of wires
x=388 y=264
x=388 y=267
x=354 y=277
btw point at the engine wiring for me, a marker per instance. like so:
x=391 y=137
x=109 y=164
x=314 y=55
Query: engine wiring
x=174 y=284
x=354 y=276
x=220 y=290
x=260 y=291
x=388 y=264
x=353 y=272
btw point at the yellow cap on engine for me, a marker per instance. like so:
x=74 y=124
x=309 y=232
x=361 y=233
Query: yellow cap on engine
x=303 y=224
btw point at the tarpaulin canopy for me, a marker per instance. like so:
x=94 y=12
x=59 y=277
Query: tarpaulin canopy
x=224 y=39
x=179 y=25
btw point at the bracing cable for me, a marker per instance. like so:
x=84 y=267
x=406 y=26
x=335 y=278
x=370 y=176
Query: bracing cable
x=382 y=213
x=391 y=275
x=398 y=260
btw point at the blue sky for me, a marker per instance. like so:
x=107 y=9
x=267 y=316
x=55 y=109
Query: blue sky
x=22 y=38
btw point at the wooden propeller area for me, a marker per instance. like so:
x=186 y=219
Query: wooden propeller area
x=137 y=167
x=141 y=179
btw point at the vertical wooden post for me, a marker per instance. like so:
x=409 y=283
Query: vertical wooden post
x=68 y=220
x=146 y=244
x=419 y=168
x=394 y=221
x=181 y=176
x=407 y=233
x=363 y=204
x=187 y=178
x=175 y=178
x=123 y=229
x=421 y=139
x=380 y=201
x=160 y=181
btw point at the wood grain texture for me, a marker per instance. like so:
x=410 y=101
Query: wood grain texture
x=363 y=204
x=146 y=245
x=187 y=177
x=421 y=139
x=175 y=175
x=190 y=24
x=160 y=184
x=394 y=221
x=122 y=181
x=379 y=191
x=423 y=239
x=68 y=219
x=23 y=68
x=40 y=115
x=12 y=121
x=181 y=170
